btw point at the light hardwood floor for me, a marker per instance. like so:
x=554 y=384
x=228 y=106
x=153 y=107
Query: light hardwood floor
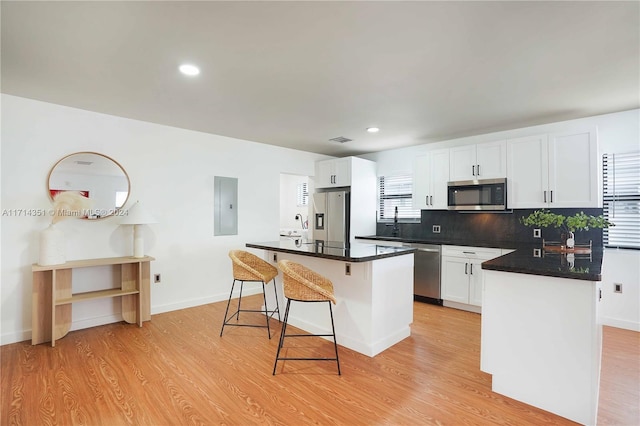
x=177 y=370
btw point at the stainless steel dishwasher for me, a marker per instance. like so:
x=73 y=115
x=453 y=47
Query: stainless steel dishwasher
x=426 y=272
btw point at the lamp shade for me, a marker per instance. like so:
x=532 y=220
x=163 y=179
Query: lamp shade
x=137 y=215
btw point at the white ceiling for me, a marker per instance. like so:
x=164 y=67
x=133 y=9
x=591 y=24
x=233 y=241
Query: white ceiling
x=296 y=74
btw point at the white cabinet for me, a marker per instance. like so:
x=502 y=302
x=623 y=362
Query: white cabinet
x=558 y=170
x=461 y=283
x=430 y=177
x=482 y=161
x=360 y=176
x=333 y=173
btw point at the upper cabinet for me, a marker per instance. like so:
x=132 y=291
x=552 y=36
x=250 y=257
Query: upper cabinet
x=482 y=161
x=361 y=177
x=430 y=177
x=333 y=173
x=558 y=170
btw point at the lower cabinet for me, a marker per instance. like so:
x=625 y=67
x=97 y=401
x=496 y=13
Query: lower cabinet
x=462 y=275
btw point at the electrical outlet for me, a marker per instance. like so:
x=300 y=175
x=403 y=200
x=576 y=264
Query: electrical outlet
x=617 y=287
x=275 y=257
x=436 y=229
x=347 y=269
x=157 y=278
x=536 y=233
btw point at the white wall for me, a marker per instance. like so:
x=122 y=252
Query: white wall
x=171 y=172
x=621 y=309
x=289 y=203
x=617 y=132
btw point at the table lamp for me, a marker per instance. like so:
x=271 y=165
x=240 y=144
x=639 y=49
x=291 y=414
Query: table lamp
x=137 y=216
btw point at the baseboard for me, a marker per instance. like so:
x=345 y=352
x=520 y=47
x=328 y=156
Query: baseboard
x=618 y=323
x=19 y=336
x=95 y=321
x=191 y=303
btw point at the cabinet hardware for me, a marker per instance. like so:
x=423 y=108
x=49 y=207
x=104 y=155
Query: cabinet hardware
x=471 y=269
x=465 y=268
x=473 y=170
x=469 y=252
x=551 y=193
x=431 y=197
x=478 y=169
x=545 y=196
x=426 y=200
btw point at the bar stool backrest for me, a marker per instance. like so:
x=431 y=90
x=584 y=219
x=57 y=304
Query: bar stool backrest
x=301 y=283
x=249 y=267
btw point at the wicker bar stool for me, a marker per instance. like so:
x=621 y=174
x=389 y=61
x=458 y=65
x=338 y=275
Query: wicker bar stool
x=249 y=267
x=301 y=284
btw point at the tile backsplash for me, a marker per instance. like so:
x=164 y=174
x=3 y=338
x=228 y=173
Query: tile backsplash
x=494 y=226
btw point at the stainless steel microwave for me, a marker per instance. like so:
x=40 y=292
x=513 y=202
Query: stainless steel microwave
x=486 y=194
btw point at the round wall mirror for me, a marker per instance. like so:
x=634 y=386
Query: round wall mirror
x=95 y=176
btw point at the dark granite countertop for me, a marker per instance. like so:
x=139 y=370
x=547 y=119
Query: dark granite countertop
x=527 y=258
x=535 y=261
x=445 y=241
x=356 y=252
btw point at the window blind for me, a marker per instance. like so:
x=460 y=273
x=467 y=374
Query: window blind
x=396 y=191
x=621 y=199
x=302 y=197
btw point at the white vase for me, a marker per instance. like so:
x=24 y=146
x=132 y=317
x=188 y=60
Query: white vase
x=51 y=247
x=571 y=240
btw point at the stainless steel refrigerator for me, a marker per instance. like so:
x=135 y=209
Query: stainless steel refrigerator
x=331 y=213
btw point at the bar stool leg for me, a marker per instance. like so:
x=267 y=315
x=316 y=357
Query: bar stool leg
x=239 y=300
x=275 y=291
x=226 y=312
x=335 y=344
x=282 y=333
x=266 y=310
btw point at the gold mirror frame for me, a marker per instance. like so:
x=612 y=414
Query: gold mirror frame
x=94 y=175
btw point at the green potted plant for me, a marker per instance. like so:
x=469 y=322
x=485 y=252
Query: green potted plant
x=568 y=225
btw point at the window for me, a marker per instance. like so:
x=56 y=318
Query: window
x=396 y=191
x=621 y=199
x=121 y=197
x=302 y=198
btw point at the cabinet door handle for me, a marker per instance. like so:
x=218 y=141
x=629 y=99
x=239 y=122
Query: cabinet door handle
x=426 y=200
x=471 y=269
x=478 y=169
x=545 y=196
x=431 y=197
x=473 y=170
x=465 y=268
x=551 y=193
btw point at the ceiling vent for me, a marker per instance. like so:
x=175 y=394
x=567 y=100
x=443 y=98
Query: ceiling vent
x=340 y=139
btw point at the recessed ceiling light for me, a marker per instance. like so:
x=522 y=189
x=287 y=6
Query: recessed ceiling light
x=373 y=129
x=188 y=69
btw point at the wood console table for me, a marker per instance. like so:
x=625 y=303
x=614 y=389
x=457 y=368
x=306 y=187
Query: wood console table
x=53 y=295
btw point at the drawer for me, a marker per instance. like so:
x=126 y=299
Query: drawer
x=484 y=253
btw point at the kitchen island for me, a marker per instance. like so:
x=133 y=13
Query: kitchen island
x=373 y=285
x=541 y=337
